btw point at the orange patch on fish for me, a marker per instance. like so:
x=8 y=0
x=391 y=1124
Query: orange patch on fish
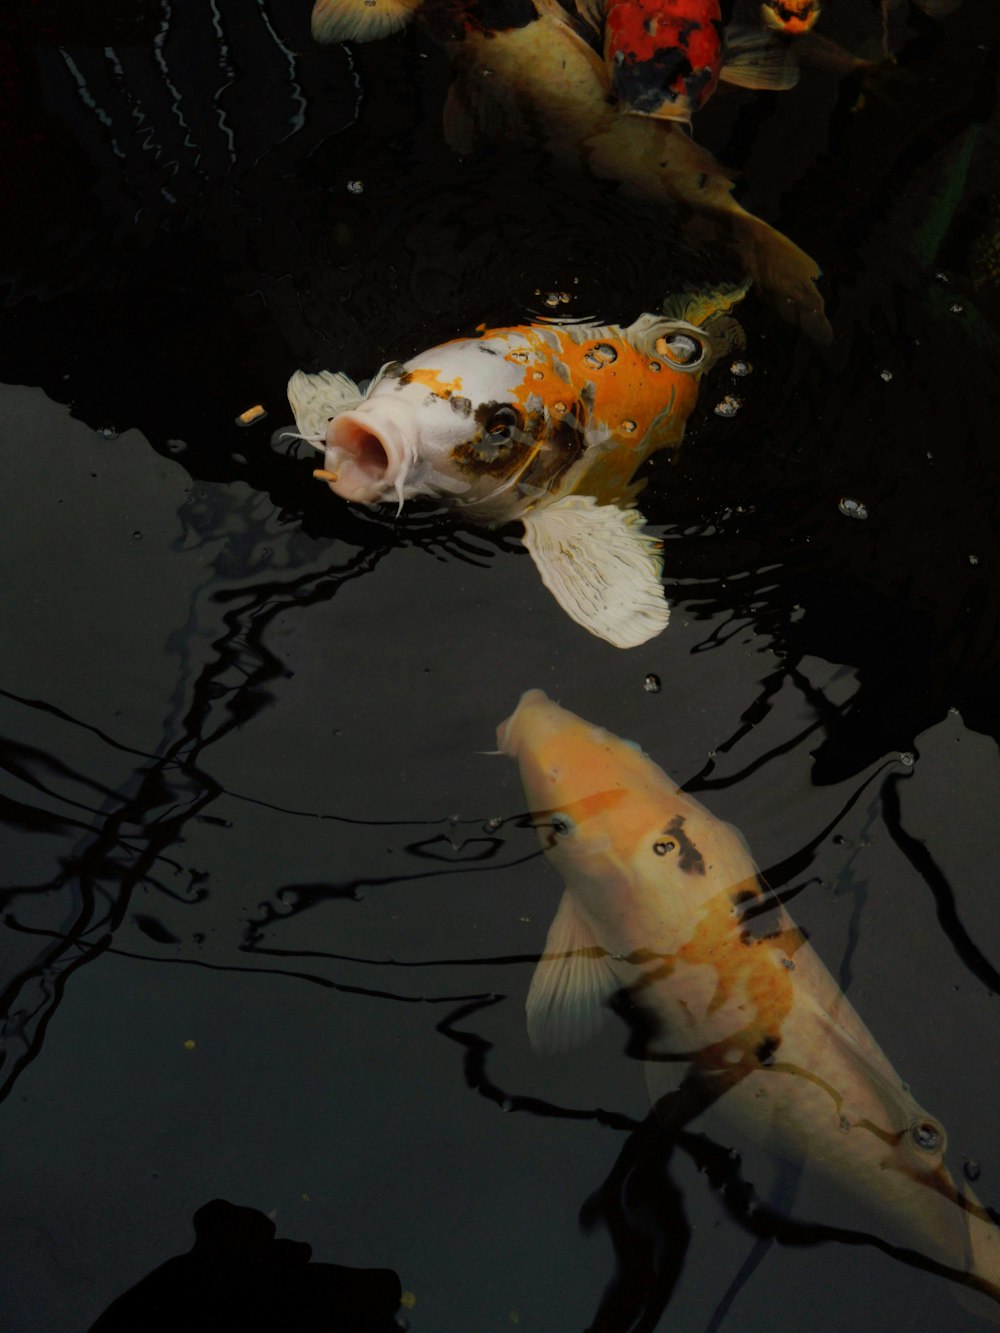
x=430 y=378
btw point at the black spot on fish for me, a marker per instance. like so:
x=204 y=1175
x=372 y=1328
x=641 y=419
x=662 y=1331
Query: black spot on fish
x=743 y=896
x=764 y=1053
x=500 y=445
x=690 y=859
x=404 y=377
x=462 y=406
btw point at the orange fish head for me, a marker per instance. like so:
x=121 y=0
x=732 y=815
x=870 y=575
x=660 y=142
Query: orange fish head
x=793 y=17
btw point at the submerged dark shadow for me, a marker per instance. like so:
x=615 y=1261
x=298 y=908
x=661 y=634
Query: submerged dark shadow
x=238 y=1275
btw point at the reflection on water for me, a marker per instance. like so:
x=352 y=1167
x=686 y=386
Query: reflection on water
x=250 y=831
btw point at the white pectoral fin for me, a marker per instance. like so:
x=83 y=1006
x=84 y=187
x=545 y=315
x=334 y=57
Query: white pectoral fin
x=571 y=985
x=600 y=565
x=317 y=398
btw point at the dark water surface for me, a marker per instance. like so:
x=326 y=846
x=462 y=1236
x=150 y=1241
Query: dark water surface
x=269 y=912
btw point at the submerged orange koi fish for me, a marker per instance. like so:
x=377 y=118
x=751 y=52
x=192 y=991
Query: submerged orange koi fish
x=661 y=902
x=531 y=71
x=544 y=423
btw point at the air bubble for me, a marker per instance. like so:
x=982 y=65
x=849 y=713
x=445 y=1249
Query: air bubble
x=652 y=684
x=907 y=758
x=356 y=187
x=957 y=308
x=661 y=848
x=926 y=1135
x=973 y=559
x=628 y=427
x=740 y=369
x=108 y=432
x=728 y=407
x=971 y=1169
x=886 y=375
x=852 y=508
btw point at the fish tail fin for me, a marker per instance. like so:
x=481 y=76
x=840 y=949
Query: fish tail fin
x=757 y=58
x=360 y=20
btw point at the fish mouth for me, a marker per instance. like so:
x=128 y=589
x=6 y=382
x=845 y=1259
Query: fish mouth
x=507 y=732
x=365 y=457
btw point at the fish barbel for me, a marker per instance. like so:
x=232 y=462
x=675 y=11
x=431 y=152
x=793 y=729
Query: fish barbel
x=663 y=902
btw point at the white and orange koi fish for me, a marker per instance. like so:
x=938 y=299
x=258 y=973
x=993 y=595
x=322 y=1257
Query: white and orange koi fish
x=660 y=903
x=545 y=423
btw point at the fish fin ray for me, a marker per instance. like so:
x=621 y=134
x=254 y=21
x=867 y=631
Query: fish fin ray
x=316 y=398
x=600 y=565
x=359 y=20
x=755 y=59
x=570 y=985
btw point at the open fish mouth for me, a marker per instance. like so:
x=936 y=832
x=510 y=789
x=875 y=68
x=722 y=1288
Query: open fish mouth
x=366 y=457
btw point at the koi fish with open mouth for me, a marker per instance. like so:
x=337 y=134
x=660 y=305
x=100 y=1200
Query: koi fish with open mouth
x=663 y=902
x=545 y=423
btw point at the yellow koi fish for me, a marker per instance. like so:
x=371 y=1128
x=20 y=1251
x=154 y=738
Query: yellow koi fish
x=545 y=423
x=663 y=902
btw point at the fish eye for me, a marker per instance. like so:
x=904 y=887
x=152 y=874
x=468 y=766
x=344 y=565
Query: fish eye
x=562 y=825
x=664 y=846
x=927 y=1135
x=683 y=349
x=501 y=424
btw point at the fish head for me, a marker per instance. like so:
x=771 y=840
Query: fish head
x=631 y=844
x=793 y=17
x=419 y=422
x=454 y=421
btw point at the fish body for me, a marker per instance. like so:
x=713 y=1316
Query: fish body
x=663 y=901
x=532 y=72
x=545 y=423
x=666 y=57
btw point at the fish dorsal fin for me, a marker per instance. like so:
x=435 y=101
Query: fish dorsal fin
x=317 y=398
x=755 y=58
x=702 y=307
x=360 y=20
x=571 y=984
x=600 y=566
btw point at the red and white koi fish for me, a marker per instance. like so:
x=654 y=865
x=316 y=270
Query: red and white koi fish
x=663 y=901
x=666 y=57
x=545 y=423
x=530 y=71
